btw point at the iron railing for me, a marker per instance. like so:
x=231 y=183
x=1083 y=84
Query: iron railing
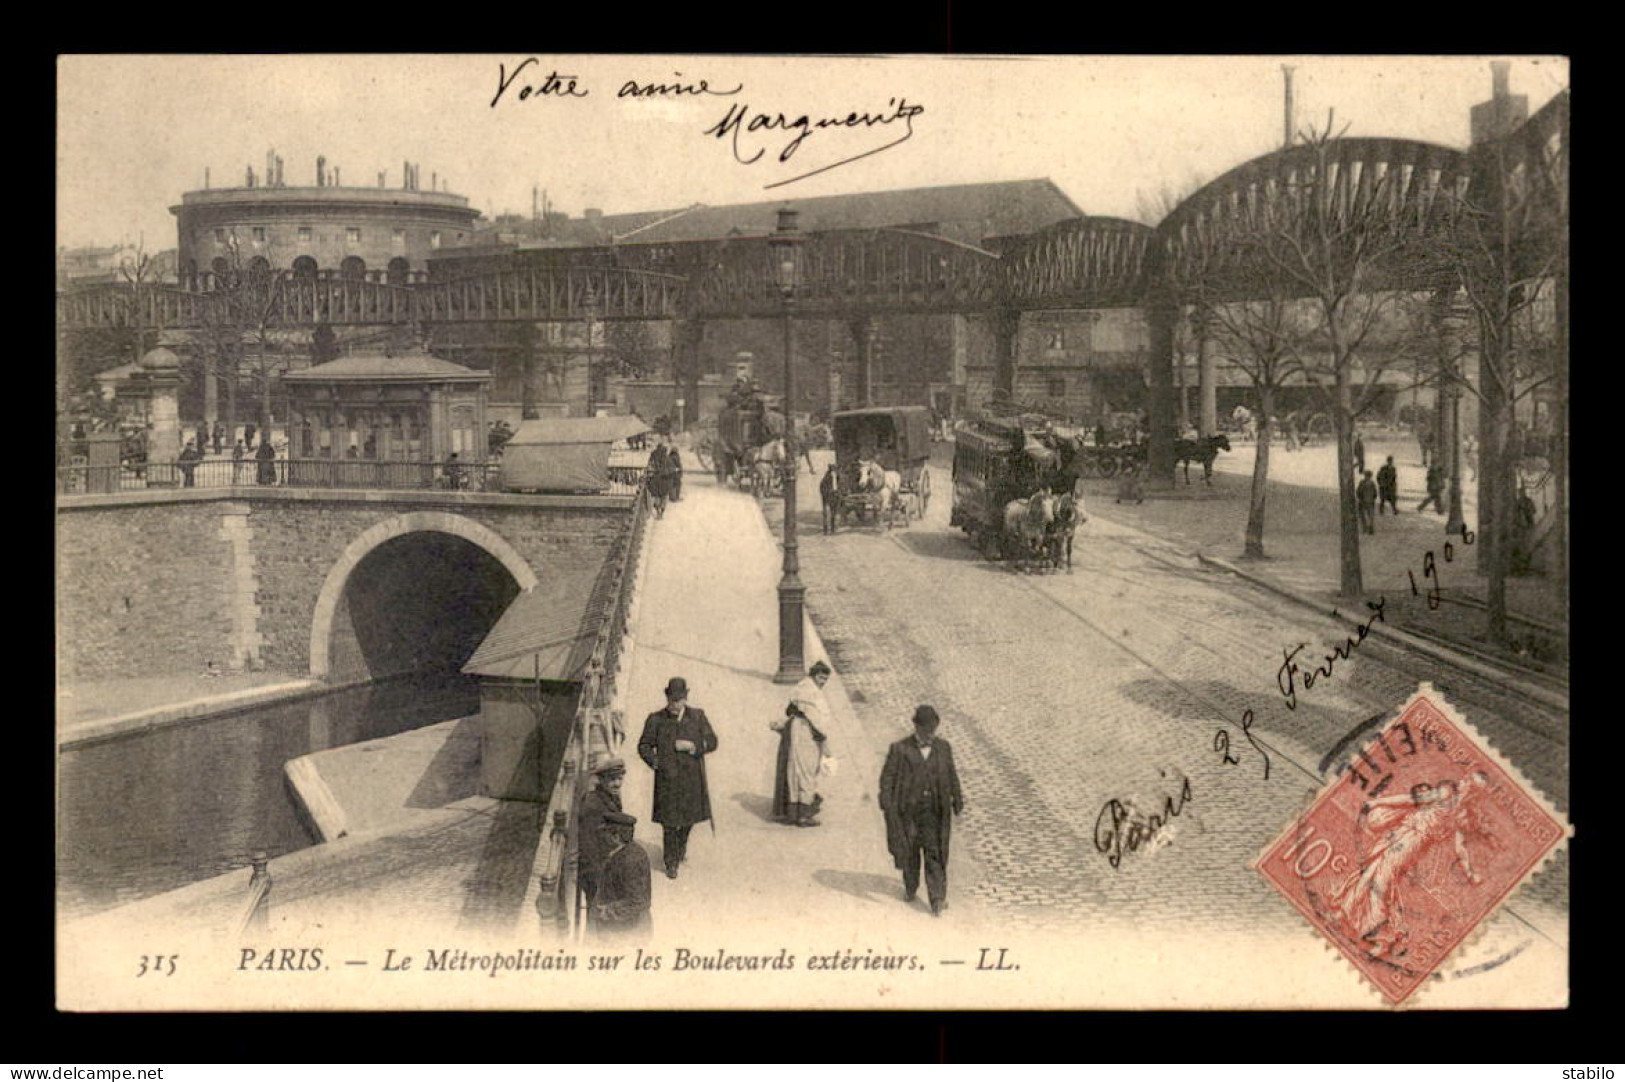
x=309 y=473
x=597 y=728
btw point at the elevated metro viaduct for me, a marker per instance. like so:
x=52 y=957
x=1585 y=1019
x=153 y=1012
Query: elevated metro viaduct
x=1198 y=254
x=342 y=585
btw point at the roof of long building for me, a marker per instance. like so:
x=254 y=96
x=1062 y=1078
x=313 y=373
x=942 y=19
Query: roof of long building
x=965 y=212
x=410 y=366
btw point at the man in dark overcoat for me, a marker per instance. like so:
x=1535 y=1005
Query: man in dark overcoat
x=600 y=805
x=265 y=457
x=659 y=481
x=674 y=473
x=1388 y=487
x=621 y=905
x=674 y=744
x=919 y=796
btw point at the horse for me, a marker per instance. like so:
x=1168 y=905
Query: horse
x=1068 y=514
x=1027 y=523
x=767 y=467
x=1203 y=451
x=873 y=477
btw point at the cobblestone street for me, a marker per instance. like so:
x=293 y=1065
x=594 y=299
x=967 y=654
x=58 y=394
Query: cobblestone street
x=1062 y=692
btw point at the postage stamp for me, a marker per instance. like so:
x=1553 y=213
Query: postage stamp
x=1413 y=845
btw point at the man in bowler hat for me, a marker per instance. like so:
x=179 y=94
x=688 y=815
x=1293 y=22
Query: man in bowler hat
x=919 y=796
x=674 y=744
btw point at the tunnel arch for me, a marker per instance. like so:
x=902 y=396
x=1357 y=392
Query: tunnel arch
x=338 y=576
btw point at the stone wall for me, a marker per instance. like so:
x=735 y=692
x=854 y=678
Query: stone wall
x=143 y=590
x=166 y=586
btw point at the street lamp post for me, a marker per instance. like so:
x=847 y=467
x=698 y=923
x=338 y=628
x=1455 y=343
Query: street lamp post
x=784 y=245
x=590 y=305
x=590 y=311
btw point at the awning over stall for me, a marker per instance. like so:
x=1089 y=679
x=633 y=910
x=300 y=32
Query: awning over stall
x=564 y=454
x=546 y=633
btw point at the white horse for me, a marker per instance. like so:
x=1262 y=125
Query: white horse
x=765 y=467
x=873 y=477
x=1027 y=524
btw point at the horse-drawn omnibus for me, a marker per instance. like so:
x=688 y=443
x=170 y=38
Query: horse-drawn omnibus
x=1011 y=481
x=742 y=430
x=896 y=443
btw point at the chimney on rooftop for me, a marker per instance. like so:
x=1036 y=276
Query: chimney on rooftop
x=335 y=176
x=321 y=170
x=1286 y=133
x=380 y=178
x=1504 y=112
x=205 y=176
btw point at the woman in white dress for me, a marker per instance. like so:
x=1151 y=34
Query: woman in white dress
x=802 y=749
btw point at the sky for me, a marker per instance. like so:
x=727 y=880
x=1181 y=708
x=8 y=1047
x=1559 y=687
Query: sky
x=1113 y=133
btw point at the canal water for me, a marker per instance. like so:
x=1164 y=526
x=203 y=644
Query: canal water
x=147 y=813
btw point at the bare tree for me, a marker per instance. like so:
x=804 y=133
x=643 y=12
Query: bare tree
x=1506 y=240
x=140 y=271
x=1333 y=239
x=1262 y=338
x=1259 y=334
x=242 y=307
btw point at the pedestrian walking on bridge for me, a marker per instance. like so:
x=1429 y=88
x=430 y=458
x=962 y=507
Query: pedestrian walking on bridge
x=674 y=744
x=803 y=747
x=188 y=461
x=658 y=480
x=265 y=457
x=674 y=473
x=919 y=796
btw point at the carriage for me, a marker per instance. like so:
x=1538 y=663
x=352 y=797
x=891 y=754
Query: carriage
x=1111 y=460
x=1001 y=460
x=741 y=432
x=898 y=438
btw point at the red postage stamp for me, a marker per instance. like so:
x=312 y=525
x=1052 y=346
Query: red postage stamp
x=1417 y=840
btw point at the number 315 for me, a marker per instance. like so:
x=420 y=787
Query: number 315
x=158 y=964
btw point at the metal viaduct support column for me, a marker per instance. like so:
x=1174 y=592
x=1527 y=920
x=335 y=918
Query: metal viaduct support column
x=1448 y=323
x=686 y=338
x=1006 y=327
x=1206 y=368
x=864 y=333
x=1161 y=316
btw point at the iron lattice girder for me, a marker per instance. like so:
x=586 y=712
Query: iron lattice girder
x=1081 y=263
x=843 y=272
x=524 y=294
x=1221 y=236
